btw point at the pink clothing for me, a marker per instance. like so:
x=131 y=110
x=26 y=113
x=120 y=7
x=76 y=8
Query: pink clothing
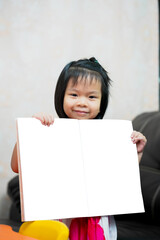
x=89 y=229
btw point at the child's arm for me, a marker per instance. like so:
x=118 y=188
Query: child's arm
x=46 y=120
x=140 y=140
x=14 y=160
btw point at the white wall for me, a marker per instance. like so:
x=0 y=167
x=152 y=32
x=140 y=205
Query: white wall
x=37 y=38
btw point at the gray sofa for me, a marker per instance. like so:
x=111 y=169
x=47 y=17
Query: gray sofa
x=146 y=225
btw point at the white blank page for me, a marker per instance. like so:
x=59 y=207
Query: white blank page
x=111 y=167
x=51 y=170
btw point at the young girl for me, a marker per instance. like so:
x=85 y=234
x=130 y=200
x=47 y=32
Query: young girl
x=82 y=92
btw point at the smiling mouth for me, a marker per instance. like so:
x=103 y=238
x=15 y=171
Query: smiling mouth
x=79 y=112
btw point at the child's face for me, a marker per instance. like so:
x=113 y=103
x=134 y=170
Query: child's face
x=82 y=100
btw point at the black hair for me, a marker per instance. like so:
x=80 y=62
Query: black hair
x=82 y=68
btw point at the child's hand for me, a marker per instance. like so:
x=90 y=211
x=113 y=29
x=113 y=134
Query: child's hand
x=140 y=140
x=45 y=119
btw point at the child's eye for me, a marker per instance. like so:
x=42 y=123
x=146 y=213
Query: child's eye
x=92 y=97
x=73 y=94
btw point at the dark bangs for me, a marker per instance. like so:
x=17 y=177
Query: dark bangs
x=76 y=74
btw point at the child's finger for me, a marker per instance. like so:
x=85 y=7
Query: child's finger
x=46 y=119
x=42 y=117
x=138 y=138
x=134 y=134
x=141 y=138
x=134 y=137
x=50 y=120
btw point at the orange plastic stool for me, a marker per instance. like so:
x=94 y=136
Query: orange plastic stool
x=45 y=230
x=6 y=233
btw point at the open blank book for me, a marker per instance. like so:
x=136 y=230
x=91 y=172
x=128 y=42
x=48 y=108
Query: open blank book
x=77 y=168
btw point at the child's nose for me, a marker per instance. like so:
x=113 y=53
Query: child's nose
x=82 y=101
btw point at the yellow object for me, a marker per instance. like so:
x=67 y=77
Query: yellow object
x=45 y=230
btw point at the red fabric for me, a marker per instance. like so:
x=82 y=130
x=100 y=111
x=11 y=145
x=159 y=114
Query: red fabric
x=78 y=229
x=86 y=229
x=95 y=231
